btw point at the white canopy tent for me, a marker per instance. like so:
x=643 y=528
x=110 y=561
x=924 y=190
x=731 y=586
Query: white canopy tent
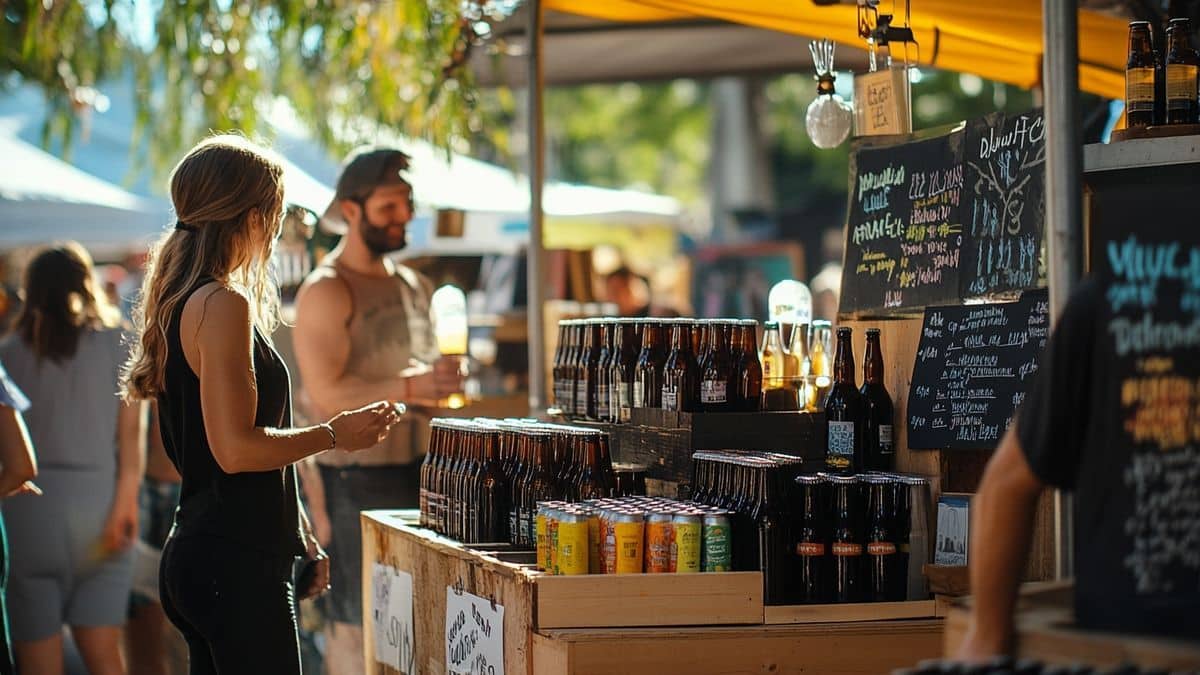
x=42 y=198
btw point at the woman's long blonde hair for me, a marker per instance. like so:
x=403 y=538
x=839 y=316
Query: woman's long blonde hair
x=61 y=302
x=228 y=197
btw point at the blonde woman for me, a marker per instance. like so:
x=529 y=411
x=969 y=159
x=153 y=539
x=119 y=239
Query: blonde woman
x=204 y=353
x=70 y=548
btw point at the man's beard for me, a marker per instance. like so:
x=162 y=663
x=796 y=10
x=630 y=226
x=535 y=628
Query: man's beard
x=377 y=240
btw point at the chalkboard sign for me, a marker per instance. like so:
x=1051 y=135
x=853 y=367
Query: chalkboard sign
x=974 y=365
x=904 y=232
x=1003 y=206
x=1145 y=256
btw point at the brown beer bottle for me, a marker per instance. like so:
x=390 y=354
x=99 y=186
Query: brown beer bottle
x=680 y=386
x=1140 y=76
x=1182 y=67
x=541 y=486
x=647 y=387
x=591 y=483
x=557 y=377
x=717 y=383
x=844 y=412
x=493 y=489
x=749 y=370
x=585 y=401
x=623 y=368
x=604 y=387
x=879 y=453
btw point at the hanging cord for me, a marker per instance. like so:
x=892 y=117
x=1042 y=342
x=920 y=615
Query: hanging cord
x=822 y=56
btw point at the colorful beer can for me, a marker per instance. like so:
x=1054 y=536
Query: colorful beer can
x=716 y=543
x=572 y=544
x=686 y=534
x=595 y=543
x=658 y=542
x=629 y=536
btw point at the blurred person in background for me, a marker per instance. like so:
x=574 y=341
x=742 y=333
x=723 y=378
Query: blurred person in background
x=153 y=646
x=629 y=291
x=203 y=351
x=71 y=557
x=18 y=468
x=364 y=331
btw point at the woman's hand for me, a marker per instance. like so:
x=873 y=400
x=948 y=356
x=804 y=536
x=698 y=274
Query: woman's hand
x=364 y=427
x=318 y=581
x=26 y=488
x=122 y=526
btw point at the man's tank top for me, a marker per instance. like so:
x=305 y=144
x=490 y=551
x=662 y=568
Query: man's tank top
x=260 y=509
x=390 y=329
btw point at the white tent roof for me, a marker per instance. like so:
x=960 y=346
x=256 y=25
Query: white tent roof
x=42 y=198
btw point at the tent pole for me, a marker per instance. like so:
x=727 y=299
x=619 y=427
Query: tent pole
x=1064 y=191
x=536 y=253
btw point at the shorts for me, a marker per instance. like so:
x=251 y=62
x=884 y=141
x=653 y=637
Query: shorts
x=157 y=501
x=59 y=572
x=349 y=491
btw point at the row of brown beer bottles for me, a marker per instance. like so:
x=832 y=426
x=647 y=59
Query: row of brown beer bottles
x=1161 y=88
x=859 y=422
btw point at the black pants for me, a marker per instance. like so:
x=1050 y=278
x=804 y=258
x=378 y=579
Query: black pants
x=349 y=490
x=233 y=606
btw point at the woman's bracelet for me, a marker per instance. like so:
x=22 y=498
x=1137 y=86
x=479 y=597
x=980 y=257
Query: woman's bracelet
x=332 y=435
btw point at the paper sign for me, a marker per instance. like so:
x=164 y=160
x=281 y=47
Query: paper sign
x=392 y=617
x=881 y=103
x=474 y=634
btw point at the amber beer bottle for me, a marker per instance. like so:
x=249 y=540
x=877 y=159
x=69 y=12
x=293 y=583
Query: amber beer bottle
x=1140 y=76
x=1182 y=67
x=847 y=541
x=812 y=541
x=718 y=382
x=647 y=386
x=585 y=399
x=557 y=377
x=749 y=371
x=844 y=412
x=771 y=539
x=604 y=382
x=680 y=382
x=883 y=560
x=493 y=491
x=879 y=452
x=541 y=486
x=624 y=365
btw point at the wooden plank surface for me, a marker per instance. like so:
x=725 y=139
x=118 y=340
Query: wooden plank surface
x=834 y=649
x=862 y=611
x=435 y=563
x=717 y=598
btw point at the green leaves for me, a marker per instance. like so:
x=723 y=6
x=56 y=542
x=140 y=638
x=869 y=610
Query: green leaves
x=216 y=66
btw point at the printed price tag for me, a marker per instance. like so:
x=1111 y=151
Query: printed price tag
x=392 y=617
x=474 y=634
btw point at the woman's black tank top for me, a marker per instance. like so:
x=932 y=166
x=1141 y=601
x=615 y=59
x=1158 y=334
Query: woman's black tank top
x=260 y=510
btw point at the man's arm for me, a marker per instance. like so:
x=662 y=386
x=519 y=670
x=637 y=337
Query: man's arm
x=322 y=344
x=1001 y=529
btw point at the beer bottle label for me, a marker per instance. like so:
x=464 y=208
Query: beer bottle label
x=623 y=395
x=810 y=549
x=603 y=405
x=1181 y=86
x=670 y=398
x=841 y=438
x=885 y=438
x=713 y=391
x=638 y=396
x=1139 y=90
x=881 y=548
x=846 y=549
x=581 y=397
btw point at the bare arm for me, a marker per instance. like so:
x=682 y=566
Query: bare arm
x=131 y=447
x=16 y=452
x=221 y=354
x=1001 y=529
x=322 y=345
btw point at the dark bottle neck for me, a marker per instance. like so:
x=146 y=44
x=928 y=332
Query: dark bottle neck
x=1178 y=48
x=750 y=340
x=681 y=338
x=843 y=362
x=1141 y=47
x=873 y=360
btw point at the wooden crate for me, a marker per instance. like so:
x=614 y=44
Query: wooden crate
x=578 y=618
x=871 y=647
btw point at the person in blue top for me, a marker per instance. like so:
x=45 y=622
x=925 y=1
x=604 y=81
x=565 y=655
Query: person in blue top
x=18 y=468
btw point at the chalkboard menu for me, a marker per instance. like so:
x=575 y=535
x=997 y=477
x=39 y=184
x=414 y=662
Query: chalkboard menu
x=974 y=365
x=938 y=220
x=903 y=231
x=1145 y=254
x=1003 y=204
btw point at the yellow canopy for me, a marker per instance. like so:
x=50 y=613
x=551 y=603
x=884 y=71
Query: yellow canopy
x=998 y=41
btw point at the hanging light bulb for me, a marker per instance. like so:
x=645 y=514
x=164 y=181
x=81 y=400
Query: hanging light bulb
x=829 y=116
